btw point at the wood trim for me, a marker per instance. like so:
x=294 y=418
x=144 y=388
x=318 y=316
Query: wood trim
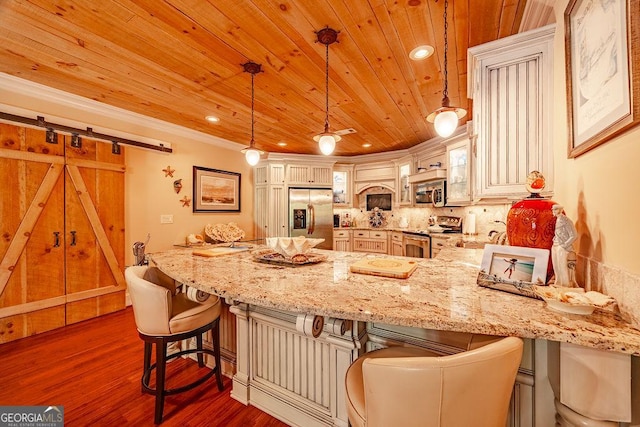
x=31 y=157
x=56 y=301
x=83 y=163
x=94 y=220
x=23 y=233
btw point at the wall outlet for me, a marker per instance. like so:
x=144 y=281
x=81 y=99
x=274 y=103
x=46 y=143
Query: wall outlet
x=166 y=219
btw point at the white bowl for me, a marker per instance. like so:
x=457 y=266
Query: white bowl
x=290 y=246
x=435 y=229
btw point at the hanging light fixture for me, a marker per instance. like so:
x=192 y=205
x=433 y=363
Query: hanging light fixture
x=327 y=139
x=445 y=119
x=251 y=153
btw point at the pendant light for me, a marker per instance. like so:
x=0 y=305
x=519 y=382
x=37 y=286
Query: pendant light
x=445 y=119
x=327 y=139
x=251 y=154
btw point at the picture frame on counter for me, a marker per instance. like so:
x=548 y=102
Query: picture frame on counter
x=215 y=190
x=514 y=269
x=603 y=98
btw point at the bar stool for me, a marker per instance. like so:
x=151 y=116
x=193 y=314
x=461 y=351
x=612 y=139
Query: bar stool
x=415 y=387
x=164 y=317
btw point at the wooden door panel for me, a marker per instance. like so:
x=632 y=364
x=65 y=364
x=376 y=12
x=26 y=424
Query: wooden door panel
x=95 y=210
x=32 y=208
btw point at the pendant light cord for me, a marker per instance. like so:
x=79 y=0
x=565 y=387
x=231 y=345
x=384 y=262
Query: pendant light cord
x=326 y=118
x=445 y=92
x=252 y=97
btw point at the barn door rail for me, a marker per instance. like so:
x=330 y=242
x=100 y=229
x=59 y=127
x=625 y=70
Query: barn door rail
x=75 y=132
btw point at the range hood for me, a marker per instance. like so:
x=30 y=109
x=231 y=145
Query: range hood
x=428 y=175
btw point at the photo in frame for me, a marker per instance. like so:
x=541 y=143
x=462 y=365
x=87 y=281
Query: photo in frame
x=603 y=98
x=215 y=190
x=514 y=269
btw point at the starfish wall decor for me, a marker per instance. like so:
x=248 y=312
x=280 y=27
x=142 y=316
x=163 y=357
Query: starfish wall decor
x=186 y=201
x=168 y=171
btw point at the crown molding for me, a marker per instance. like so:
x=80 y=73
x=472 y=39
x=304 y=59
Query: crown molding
x=64 y=100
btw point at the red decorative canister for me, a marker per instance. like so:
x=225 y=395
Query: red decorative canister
x=530 y=222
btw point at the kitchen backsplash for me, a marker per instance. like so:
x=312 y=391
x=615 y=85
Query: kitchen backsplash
x=487 y=217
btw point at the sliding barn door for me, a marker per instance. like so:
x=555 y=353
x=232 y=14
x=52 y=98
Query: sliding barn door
x=32 y=286
x=61 y=231
x=94 y=225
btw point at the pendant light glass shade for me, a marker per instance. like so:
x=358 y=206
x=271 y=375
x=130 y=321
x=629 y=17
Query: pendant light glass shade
x=327 y=144
x=327 y=139
x=445 y=119
x=251 y=153
x=446 y=123
x=252 y=156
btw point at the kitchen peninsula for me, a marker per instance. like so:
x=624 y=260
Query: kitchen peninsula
x=441 y=294
x=278 y=364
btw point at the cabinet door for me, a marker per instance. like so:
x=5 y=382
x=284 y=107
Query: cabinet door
x=458 y=166
x=512 y=91
x=321 y=175
x=298 y=174
x=278 y=212
x=32 y=288
x=94 y=230
x=262 y=212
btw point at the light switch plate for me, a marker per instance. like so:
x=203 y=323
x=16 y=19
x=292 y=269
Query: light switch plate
x=166 y=219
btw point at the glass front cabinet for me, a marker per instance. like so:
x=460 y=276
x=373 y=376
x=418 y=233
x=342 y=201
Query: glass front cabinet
x=404 y=188
x=342 y=188
x=458 y=171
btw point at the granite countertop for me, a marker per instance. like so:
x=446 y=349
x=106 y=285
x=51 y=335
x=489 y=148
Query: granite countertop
x=441 y=294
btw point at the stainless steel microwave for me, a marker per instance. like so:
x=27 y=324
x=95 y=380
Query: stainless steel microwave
x=431 y=193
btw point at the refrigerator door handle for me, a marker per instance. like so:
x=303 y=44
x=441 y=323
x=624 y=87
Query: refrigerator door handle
x=312 y=219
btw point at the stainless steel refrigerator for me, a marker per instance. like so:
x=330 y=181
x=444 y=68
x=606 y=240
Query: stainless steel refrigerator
x=311 y=214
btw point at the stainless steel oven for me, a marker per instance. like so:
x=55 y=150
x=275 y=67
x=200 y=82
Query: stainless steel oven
x=417 y=245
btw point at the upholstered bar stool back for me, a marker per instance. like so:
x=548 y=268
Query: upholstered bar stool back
x=400 y=386
x=162 y=317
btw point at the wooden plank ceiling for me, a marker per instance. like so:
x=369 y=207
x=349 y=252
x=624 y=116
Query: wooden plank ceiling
x=180 y=60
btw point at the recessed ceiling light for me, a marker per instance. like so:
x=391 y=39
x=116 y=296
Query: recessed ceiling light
x=212 y=119
x=421 y=52
x=366 y=145
x=282 y=144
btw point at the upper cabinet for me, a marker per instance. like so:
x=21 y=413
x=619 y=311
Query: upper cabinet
x=458 y=171
x=404 y=187
x=379 y=174
x=342 y=185
x=510 y=81
x=314 y=175
x=270 y=173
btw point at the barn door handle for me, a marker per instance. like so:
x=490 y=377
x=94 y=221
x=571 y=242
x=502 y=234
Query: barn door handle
x=73 y=238
x=56 y=239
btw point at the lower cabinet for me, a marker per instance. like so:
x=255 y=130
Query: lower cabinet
x=370 y=241
x=342 y=240
x=397 y=244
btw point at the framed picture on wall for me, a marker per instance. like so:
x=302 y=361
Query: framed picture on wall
x=215 y=190
x=603 y=98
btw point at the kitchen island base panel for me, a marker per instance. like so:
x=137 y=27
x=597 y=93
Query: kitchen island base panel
x=296 y=378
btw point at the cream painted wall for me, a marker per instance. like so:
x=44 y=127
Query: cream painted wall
x=148 y=194
x=599 y=189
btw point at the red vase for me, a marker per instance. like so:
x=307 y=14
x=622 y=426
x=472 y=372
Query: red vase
x=531 y=223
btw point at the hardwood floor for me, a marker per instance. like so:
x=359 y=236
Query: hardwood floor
x=93 y=369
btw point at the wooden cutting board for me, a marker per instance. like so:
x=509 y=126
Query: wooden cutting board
x=386 y=267
x=219 y=251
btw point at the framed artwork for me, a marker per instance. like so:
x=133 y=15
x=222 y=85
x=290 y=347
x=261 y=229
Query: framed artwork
x=215 y=190
x=515 y=269
x=603 y=98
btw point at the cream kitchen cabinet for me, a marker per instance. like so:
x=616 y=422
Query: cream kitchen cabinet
x=343 y=185
x=458 y=171
x=379 y=174
x=510 y=81
x=314 y=175
x=342 y=240
x=405 y=195
x=370 y=241
x=271 y=215
x=397 y=243
x=270 y=173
